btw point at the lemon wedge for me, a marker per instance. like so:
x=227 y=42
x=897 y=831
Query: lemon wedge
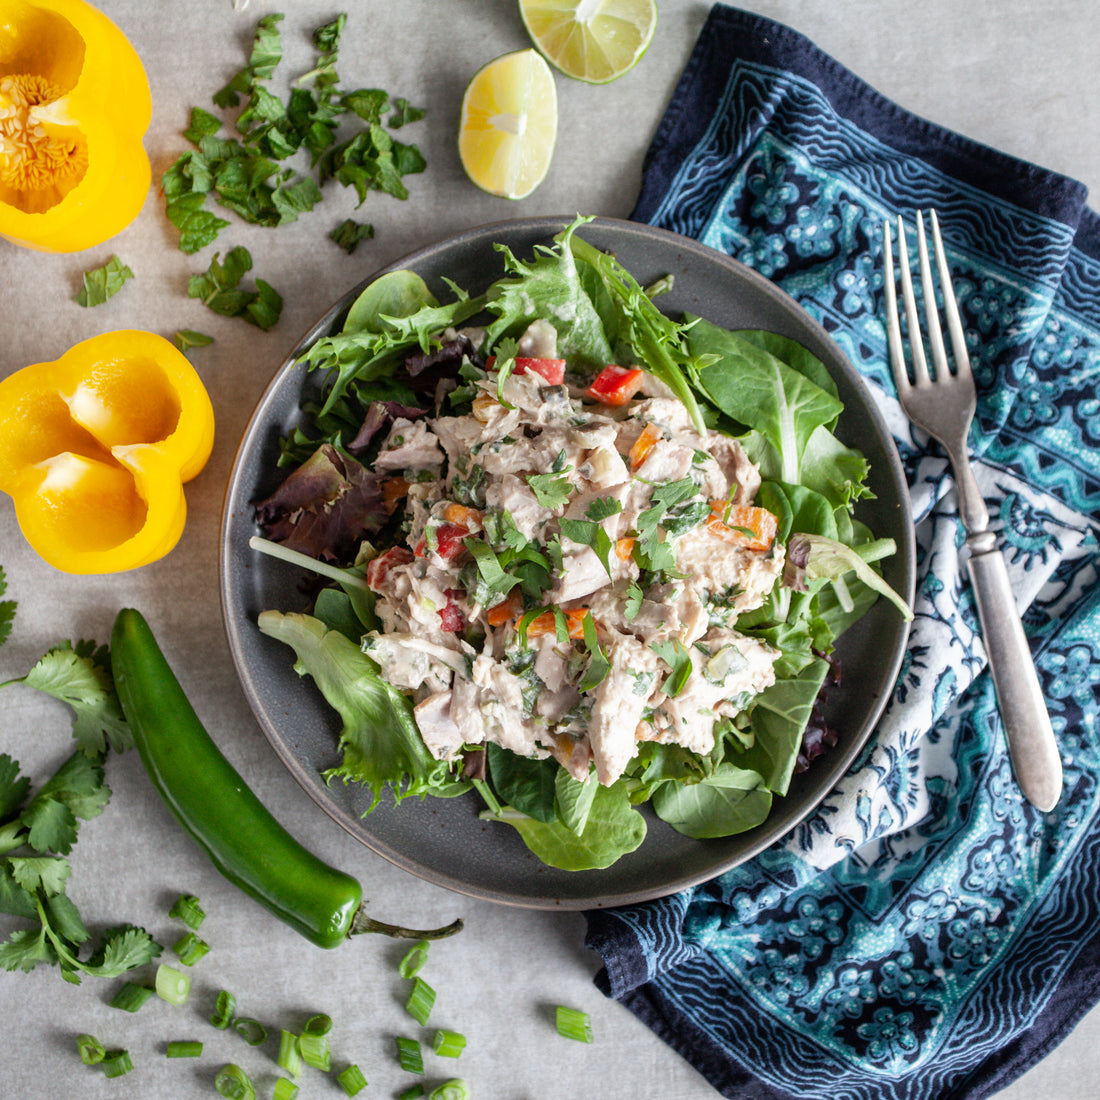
x=591 y=40
x=509 y=124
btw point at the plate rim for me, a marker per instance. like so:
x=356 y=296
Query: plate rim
x=761 y=836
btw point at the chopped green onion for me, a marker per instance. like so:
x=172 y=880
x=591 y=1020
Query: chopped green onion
x=319 y=1024
x=408 y=1054
x=289 y=1056
x=116 y=1062
x=184 y=1048
x=285 y=1089
x=574 y=1024
x=413 y=960
x=352 y=1080
x=421 y=999
x=454 y=1089
x=315 y=1050
x=233 y=1083
x=190 y=948
x=172 y=985
x=448 y=1044
x=413 y=1092
x=131 y=997
x=224 y=1010
x=90 y=1050
x=188 y=910
x=251 y=1031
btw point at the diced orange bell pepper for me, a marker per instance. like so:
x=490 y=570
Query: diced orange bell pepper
x=392 y=491
x=95 y=448
x=752 y=528
x=74 y=108
x=643 y=445
x=546 y=623
x=510 y=608
x=624 y=548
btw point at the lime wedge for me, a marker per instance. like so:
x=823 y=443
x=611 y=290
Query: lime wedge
x=591 y=40
x=508 y=125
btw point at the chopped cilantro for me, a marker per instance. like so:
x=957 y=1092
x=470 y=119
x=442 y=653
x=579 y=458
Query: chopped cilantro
x=349 y=233
x=219 y=289
x=598 y=665
x=602 y=508
x=247 y=174
x=101 y=283
x=589 y=533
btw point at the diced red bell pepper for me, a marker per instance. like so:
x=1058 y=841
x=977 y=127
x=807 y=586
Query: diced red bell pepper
x=553 y=370
x=451 y=619
x=378 y=567
x=616 y=385
x=448 y=541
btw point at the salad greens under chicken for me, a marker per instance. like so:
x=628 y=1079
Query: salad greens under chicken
x=578 y=556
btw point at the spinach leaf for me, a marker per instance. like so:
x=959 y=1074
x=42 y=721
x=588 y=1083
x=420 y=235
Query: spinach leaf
x=730 y=800
x=613 y=828
x=524 y=784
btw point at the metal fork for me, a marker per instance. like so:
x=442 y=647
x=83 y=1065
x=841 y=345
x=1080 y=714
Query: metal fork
x=943 y=404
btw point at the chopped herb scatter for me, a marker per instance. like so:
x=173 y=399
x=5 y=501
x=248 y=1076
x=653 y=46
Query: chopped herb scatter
x=219 y=289
x=101 y=283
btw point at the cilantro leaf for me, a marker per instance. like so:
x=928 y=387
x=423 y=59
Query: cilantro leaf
x=46 y=873
x=101 y=283
x=7 y=610
x=13 y=787
x=603 y=508
x=551 y=490
x=122 y=949
x=14 y=900
x=598 y=664
x=25 y=949
x=79 y=676
x=678 y=659
x=589 y=533
x=51 y=825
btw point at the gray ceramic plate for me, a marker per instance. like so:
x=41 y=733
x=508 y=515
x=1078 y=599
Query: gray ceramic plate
x=442 y=840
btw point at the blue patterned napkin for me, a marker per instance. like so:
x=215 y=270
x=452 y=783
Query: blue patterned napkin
x=926 y=934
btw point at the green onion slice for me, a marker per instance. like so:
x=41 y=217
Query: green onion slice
x=289 y=1056
x=184 y=1048
x=319 y=1024
x=352 y=1080
x=285 y=1089
x=188 y=910
x=90 y=1050
x=251 y=1031
x=233 y=1083
x=409 y=1055
x=421 y=999
x=574 y=1024
x=190 y=948
x=413 y=1092
x=454 y=1089
x=131 y=997
x=116 y=1062
x=224 y=1010
x=315 y=1050
x=448 y=1044
x=413 y=960
x=172 y=985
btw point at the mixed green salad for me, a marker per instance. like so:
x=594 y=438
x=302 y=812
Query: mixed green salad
x=571 y=553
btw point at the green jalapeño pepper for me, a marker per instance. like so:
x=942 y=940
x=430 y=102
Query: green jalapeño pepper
x=211 y=801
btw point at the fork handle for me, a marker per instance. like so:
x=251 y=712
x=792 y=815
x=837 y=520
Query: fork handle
x=1031 y=745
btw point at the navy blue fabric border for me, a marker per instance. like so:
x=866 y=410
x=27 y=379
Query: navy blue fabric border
x=731 y=34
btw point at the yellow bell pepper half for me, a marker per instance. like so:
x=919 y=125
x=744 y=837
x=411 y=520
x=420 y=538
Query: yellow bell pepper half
x=95 y=448
x=74 y=107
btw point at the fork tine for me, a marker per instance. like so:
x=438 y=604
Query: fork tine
x=893 y=325
x=916 y=345
x=950 y=306
x=931 y=311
